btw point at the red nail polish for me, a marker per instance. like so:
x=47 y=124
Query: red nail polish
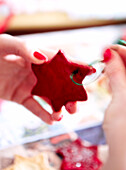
x=107 y=55
x=93 y=70
x=39 y=56
x=60 y=118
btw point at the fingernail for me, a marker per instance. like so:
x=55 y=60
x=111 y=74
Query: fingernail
x=39 y=56
x=93 y=70
x=60 y=118
x=107 y=56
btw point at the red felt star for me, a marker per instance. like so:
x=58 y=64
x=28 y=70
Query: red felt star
x=76 y=156
x=53 y=81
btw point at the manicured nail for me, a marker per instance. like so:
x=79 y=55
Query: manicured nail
x=107 y=56
x=60 y=118
x=93 y=70
x=39 y=56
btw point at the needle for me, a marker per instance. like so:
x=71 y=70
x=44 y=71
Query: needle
x=98 y=65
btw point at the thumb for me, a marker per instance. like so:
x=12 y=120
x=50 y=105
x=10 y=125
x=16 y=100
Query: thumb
x=115 y=70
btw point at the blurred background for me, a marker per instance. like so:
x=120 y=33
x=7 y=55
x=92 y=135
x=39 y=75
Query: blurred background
x=28 y=16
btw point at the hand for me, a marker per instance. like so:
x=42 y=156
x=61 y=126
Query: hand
x=17 y=78
x=115 y=117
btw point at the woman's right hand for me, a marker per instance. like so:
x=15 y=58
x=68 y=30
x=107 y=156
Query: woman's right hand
x=114 y=124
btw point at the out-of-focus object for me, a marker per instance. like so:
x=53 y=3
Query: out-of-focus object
x=5 y=15
x=44 y=152
x=78 y=156
x=48 y=15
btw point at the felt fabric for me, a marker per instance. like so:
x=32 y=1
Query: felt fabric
x=54 y=83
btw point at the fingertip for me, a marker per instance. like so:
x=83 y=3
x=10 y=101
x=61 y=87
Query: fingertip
x=107 y=55
x=71 y=107
x=51 y=122
x=57 y=116
x=39 y=56
x=60 y=118
x=35 y=107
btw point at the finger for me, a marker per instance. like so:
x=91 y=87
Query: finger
x=116 y=73
x=35 y=108
x=16 y=46
x=121 y=50
x=57 y=116
x=41 y=58
x=71 y=107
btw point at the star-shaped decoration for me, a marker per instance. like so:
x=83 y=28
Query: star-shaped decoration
x=54 y=82
x=77 y=156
